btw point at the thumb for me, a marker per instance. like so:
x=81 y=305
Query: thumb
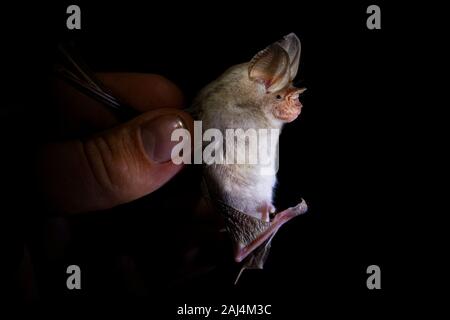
x=113 y=167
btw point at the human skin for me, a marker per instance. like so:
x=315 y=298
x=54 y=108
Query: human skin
x=117 y=162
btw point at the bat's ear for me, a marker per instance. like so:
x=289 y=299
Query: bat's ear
x=270 y=67
x=291 y=44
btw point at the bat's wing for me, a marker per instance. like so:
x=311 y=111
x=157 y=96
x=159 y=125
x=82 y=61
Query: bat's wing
x=251 y=236
x=256 y=259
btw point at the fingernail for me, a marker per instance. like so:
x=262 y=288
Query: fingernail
x=156 y=136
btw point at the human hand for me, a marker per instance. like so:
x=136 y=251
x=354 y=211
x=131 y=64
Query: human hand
x=116 y=163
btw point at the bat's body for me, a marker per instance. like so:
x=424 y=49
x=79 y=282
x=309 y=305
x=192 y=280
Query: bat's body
x=254 y=95
x=241 y=186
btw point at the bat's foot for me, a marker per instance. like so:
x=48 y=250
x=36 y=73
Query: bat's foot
x=243 y=250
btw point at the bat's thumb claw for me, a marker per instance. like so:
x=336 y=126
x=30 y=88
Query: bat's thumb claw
x=301 y=208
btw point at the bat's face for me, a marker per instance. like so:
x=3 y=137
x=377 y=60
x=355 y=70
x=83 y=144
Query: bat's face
x=274 y=69
x=284 y=104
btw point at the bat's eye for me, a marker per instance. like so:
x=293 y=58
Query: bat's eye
x=279 y=97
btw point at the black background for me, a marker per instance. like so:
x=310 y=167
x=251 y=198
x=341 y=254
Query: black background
x=341 y=155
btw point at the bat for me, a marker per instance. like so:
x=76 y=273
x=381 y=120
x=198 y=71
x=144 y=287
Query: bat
x=258 y=94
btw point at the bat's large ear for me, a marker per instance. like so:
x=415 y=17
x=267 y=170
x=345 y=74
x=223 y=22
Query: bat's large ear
x=270 y=67
x=291 y=44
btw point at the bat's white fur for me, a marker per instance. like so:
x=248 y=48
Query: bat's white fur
x=235 y=101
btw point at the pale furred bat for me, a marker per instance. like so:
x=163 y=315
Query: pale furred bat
x=255 y=95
